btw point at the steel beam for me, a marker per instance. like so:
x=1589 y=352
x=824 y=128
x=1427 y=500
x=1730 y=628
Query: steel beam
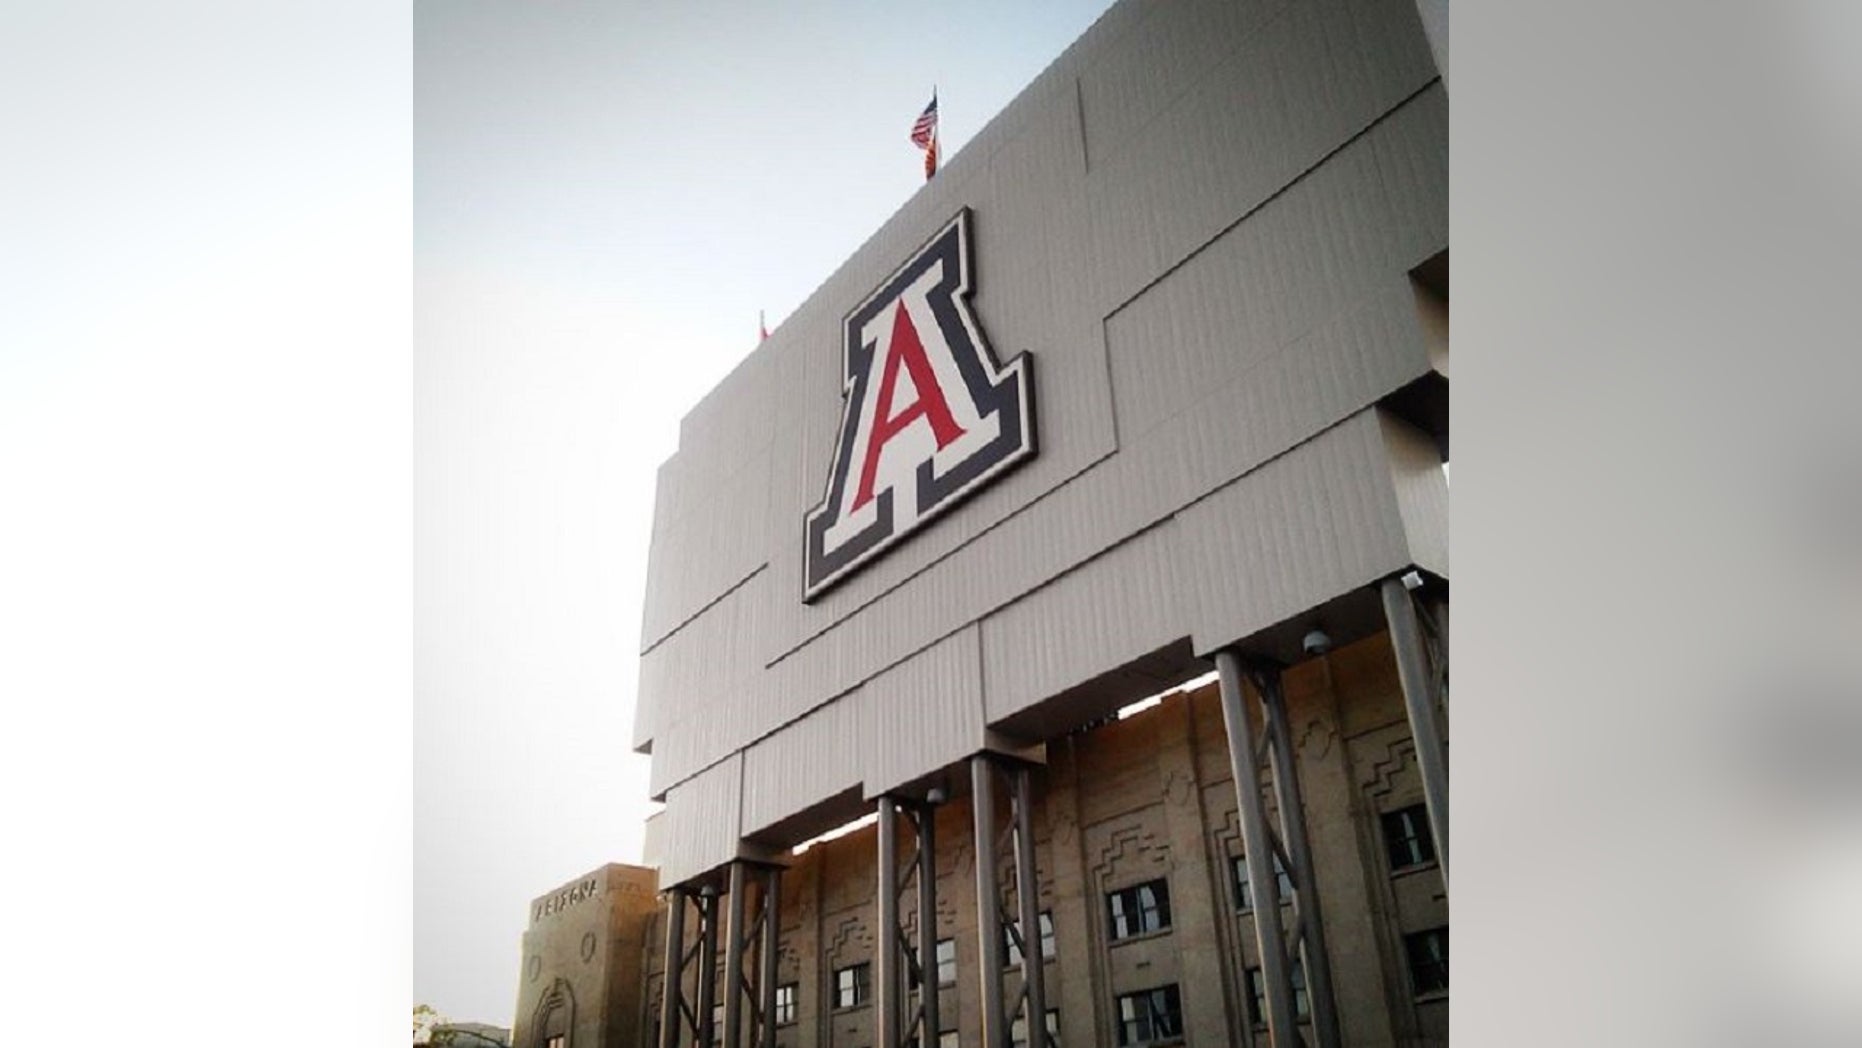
x=768 y=956
x=891 y=985
x=707 y=994
x=1288 y=798
x=988 y=904
x=926 y=820
x=1412 y=659
x=1027 y=893
x=1258 y=852
x=671 y=1012
x=735 y=916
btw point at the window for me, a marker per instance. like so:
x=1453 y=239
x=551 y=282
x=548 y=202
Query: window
x=1257 y=994
x=1428 y=960
x=787 y=996
x=1150 y=1015
x=852 y=985
x=1138 y=910
x=1406 y=836
x=1013 y=952
x=948 y=1039
x=1018 y=1030
x=1244 y=895
x=557 y=1041
x=946 y=961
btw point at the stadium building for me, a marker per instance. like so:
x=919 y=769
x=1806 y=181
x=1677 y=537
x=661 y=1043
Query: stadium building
x=1149 y=383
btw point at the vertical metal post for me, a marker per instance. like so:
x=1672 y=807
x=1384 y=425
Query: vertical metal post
x=734 y=957
x=988 y=906
x=927 y=924
x=1412 y=661
x=891 y=992
x=1315 y=961
x=768 y=955
x=1027 y=893
x=673 y=980
x=1282 y=1028
x=707 y=963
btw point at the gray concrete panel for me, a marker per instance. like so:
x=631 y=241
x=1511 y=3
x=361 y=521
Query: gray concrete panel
x=702 y=822
x=1318 y=521
x=922 y=714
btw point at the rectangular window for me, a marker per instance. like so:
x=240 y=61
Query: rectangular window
x=1244 y=895
x=946 y=961
x=1406 y=836
x=852 y=985
x=1428 y=960
x=1018 y=1030
x=1257 y=994
x=557 y=1041
x=1139 y=910
x=948 y=1039
x=1150 y=1015
x=1013 y=952
x=788 y=995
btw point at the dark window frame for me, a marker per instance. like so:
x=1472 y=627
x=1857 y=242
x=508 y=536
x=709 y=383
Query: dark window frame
x=862 y=973
x=1409 y=841
x=792 y=1005
x=1156 y=1015
x=1428 y=987
x=1126 y=914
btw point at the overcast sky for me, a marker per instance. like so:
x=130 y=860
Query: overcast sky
x=604 y=197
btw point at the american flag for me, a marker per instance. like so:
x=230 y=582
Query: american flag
x=925 y=130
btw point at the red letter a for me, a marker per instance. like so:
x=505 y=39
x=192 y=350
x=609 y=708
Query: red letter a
x=931 y=404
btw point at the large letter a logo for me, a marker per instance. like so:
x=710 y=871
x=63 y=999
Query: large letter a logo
x=928 y=416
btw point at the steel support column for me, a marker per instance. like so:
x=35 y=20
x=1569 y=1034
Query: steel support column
x=900 y=960
x=1288 y=798
x=1024 y=924
x=1027 y=893
x=891 y=986
x=767 y=957
x=925 y=819
x=707 y=964
x=988 y=903
x=672 y=1014
x=1412 y=659
x=1258 y=851
x=735 y=914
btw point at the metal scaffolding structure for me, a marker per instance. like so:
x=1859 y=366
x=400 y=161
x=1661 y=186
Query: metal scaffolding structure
x=749 y=975
x=1262 y=843
x=1023 y=921
x=900 y=960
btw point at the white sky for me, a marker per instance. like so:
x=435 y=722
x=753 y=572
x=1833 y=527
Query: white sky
x=604 y=197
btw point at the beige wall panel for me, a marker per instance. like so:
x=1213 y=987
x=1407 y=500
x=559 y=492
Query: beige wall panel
x=723 y=460
x=701 y=822
x=1319 y=520
x=922 y=714
x=1412 y=162
x=1300 y=86
x=814 y=757
x=1127 y=604
x=1166 y=52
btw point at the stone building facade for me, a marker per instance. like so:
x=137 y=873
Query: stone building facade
x=581 y=977
x=1144 y=906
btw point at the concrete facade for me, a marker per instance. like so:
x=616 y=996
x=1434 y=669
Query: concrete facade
x=1127 y=802
x=581 y=974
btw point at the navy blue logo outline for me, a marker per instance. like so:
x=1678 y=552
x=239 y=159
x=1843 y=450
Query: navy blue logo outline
x=1002 y=389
